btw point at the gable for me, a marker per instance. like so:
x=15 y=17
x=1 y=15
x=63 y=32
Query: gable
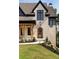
x=21 y=13
x=42 y=6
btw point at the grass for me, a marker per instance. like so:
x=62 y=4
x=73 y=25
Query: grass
x=35 y=52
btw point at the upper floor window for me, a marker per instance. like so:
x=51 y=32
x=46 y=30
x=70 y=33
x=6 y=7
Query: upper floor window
x=51 y=22
x=40 y=14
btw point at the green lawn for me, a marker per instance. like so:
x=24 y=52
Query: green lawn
x=35 y=52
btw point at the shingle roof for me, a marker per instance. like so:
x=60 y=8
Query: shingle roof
x=28 y=7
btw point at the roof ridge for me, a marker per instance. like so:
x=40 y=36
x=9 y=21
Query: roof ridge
x=31 y=3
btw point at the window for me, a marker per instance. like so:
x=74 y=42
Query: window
x=51 y=22
x=40 y=14
x=40 y=32
x=29 y=31
x=21 y=31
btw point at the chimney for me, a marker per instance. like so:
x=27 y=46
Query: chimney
x=50 y=4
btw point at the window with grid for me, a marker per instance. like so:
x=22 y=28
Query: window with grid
x=40 y=14
x=51 y=22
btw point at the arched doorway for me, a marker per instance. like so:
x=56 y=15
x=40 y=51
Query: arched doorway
x=40 y=32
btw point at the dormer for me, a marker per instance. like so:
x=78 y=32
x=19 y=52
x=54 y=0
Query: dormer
x=40 y=10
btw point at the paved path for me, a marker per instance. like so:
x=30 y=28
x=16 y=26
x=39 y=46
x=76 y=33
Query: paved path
x=38 y=42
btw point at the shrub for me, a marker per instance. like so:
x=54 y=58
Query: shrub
x=34 y=39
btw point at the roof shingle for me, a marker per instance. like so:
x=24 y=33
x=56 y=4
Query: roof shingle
x=28 y=7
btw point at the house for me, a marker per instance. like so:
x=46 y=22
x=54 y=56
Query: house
x=37 y=20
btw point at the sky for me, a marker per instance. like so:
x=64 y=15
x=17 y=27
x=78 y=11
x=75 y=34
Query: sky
x=55 y=3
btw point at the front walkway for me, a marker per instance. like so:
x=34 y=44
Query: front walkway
x=37 y=42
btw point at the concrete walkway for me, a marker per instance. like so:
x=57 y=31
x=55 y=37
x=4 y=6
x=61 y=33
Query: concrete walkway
x=37 y=42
